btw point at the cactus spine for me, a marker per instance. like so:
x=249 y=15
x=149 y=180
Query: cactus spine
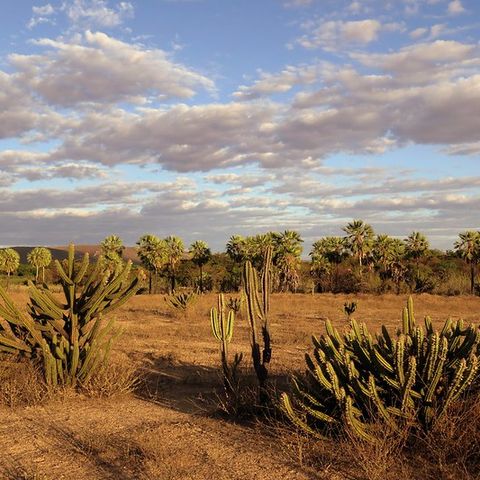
x=71 y=338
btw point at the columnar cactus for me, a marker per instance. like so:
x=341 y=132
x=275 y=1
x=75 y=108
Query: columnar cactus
x=71 y=338
x=257 y=306
x=353 y=378
x=222 y=328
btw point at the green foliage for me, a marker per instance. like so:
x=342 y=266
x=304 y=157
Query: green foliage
x=201 y=254
x=412 y=377
x=174 y=251
x=359 y=239
x=468 y=248
x=222 y=328
x=112 y=251
x=70 y=339
x=9 y=262
x=39 y=257
x=257 y=306
x=416 y=245
x=152 y=252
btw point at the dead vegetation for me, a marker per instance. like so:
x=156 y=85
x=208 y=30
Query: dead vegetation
x=154 y=414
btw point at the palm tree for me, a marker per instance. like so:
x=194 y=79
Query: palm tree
x=319 y=265
x=416 y=245
x=175 y=251
x=9 y=262
x=112 y=250
x=359 y=239
x=152 y=252
x=396 y=267
x=333 y=249
x=287 y=252
x=235 y=248
x=201 y=254
x=468 y=248
x=388 y=254
x=39 y=257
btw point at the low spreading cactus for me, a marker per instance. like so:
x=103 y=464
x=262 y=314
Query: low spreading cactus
x=414 y=376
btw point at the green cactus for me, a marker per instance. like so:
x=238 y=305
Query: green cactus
x=354 y=378
x=222 y=328
x=71 y=339
x=257 y=306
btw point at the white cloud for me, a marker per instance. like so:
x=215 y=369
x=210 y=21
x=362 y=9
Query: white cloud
x=335 y=34
x=282 y=82
x=97 y=13
x=455 y=7
x=99 y=68
x=43 y=10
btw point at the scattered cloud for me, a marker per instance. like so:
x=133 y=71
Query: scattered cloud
x=97 y=13
x=455 y=7
x=336 y=34
x=95 y=67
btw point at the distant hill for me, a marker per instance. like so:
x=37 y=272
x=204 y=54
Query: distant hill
x=60 y=252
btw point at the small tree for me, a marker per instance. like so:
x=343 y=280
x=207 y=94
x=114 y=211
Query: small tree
x=9 y=262
x=201 y=254
x=359 y=239
x=112 y=251
x=416 y=246
x=468 y=248
x=175 y=250
x=39 y=257
x=152 y=252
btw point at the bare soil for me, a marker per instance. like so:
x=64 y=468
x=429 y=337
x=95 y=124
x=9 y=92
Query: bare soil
x=170 y=427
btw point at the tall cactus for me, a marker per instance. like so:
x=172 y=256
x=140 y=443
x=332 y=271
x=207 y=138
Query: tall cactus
x=257 y=306
x=353 y=378
x=71 y=338
x=222 y=328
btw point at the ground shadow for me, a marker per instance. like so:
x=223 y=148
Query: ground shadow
x=198 y=389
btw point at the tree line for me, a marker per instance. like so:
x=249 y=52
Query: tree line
x=360 y=260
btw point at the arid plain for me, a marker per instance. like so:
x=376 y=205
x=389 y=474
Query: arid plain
x=170 y=427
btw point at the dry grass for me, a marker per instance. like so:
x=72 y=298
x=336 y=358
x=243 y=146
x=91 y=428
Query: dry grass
x=21 y=384
x=451 y=451
x=160 y=430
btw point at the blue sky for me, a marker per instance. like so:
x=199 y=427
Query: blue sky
x=209 y=118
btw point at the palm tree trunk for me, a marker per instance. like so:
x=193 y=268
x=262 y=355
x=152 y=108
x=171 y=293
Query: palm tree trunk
x=472 y=277
x=36 y=273
x=43 y=274
x=149 y=282
x=201 y=279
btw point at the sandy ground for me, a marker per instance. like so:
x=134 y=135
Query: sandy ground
x=169 y=429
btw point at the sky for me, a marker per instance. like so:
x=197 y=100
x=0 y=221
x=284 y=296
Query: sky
x=208 y=118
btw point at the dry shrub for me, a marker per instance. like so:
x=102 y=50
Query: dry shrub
x=382 y=459
x=453 y=284
x=451 y=450
x=112 y=379
x=21 y=384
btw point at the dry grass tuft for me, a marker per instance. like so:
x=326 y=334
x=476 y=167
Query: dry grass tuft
x=21 y=384
x=111 y=380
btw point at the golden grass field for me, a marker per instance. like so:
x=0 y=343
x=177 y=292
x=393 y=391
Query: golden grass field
x=168 y=429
